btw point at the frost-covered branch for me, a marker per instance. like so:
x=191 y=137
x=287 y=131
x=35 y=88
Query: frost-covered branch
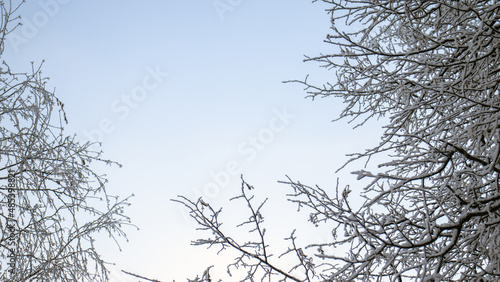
x=431 y=211
x=56 y=203
x=254 y=255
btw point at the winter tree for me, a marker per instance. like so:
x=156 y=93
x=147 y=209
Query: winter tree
x=432 y=212
x=52 y=202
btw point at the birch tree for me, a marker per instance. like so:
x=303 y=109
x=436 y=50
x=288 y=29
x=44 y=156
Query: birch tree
x=52 y=202
x=432 y=212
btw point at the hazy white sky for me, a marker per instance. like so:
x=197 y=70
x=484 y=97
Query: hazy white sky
x=184 y=93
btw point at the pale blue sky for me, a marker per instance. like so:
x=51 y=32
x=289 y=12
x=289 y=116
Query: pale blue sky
x=223 y=88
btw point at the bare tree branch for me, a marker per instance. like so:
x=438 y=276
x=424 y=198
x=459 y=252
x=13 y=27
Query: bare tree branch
x=432 y=211
x=57 y=203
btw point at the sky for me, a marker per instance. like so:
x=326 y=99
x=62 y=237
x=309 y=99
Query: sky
x=188 y=95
